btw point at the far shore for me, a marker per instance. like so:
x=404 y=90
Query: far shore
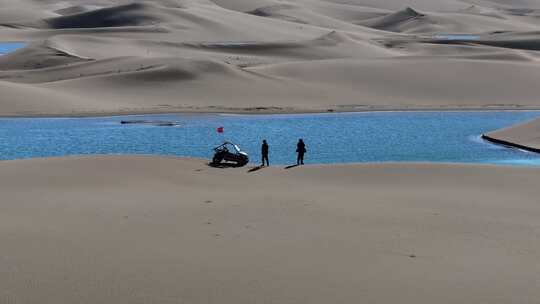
x=188 y=111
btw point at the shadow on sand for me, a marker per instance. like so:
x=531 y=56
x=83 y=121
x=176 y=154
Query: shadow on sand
x=255 y=169
x=291 y=166
x=223 y=165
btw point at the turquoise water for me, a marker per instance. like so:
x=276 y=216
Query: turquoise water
x=453 y=37
x=330 y=138
x=8 y=47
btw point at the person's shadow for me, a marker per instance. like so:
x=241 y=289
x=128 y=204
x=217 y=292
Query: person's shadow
x=291 y=166
x=255 y=169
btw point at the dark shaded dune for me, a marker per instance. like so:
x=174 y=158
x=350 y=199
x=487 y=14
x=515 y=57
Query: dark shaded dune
x=278 y=12
x=172 y=72
x=37 y=56
x=135 y=14
x=471 y=20
x=105 y=30
x=269 y=11
x=393 y=21
x=331 y=39
x=158 y=74
x=413 y=22
x=80 y=70
x=126 y=69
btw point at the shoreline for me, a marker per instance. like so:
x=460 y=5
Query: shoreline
x=267 y=112
x=509 y=144
x=251 y=166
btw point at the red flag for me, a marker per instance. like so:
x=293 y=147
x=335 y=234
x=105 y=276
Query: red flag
x=220 y=130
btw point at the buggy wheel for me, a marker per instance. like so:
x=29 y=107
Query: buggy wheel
x=217 y=159
x=242 y=162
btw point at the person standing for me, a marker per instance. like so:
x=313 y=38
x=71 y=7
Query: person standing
x=301 y=150
x=264 y=153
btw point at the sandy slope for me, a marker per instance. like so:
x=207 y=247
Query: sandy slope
x=527 y=134
x=141 y=230
x=119 y=56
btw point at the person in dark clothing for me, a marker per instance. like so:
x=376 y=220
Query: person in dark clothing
x=264 y=153
x=301 y=150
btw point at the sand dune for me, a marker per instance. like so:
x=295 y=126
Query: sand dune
x=136 y=229
x=415 y=22
x=124 y=15
x=297 y=55
x=392 y=21
x=526 y=135
x=37 y=56
x=412 y=82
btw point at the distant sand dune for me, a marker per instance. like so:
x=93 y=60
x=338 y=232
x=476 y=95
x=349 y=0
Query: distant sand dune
x=37 y=56
x=238 y=55
x=124 y=15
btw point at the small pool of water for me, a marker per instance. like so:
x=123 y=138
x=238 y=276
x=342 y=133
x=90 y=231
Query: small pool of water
x=8 y=47
x=330 y=138
x=457 y=37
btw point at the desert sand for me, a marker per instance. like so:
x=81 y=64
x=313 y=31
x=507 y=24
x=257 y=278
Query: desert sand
x=92 y=57
x=526 y=135
x=167 y=230
x=128 y=229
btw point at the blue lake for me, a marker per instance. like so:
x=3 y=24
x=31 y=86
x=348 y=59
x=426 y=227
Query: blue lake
x=8 y=47
x=457 y=37
x=330 y=138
